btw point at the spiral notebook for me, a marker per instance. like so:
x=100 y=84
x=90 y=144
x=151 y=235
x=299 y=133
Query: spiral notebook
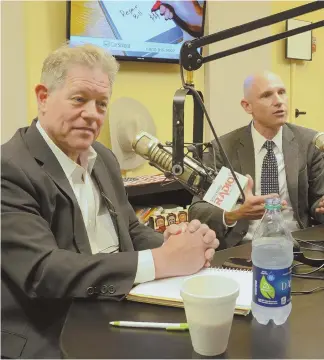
x=167 y=291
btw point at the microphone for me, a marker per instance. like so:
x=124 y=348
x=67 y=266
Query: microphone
x=318 y=141
x=195 y=177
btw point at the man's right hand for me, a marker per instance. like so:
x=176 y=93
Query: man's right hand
x=186 y=253
x=189 y=11
x=251 y=209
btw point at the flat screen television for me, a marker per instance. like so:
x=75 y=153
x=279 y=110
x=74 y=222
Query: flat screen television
x=140 y=30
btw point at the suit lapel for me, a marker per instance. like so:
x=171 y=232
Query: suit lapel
x=291 y=158
x=41 y=152
x=107 y=191
x=245 y=153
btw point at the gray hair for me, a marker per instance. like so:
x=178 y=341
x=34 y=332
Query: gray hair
x=57 y=63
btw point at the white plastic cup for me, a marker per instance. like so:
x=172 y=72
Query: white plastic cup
x=209 y=302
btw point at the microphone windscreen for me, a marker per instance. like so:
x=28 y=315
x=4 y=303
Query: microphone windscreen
x=318 y=141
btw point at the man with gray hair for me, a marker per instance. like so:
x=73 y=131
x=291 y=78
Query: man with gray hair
x=68 y=230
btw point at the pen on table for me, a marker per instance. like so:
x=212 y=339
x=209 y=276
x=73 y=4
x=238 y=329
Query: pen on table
x=151 y=325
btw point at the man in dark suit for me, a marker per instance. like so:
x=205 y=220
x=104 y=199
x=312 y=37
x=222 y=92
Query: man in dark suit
x=279 y=158
x=68 y=230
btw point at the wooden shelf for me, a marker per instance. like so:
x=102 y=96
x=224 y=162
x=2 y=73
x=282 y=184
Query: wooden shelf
x=158 y=193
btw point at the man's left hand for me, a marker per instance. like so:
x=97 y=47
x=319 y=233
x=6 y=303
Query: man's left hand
x=320 y=206
x=195 y=225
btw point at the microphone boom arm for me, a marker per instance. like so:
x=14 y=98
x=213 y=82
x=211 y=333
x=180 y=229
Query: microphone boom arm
x=191 y=59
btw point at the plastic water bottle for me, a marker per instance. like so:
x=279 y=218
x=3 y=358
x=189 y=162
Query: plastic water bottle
x=272 y=257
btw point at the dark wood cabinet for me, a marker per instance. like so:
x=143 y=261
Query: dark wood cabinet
x=159 y=194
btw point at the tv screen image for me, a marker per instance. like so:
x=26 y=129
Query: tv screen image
x=136 y=30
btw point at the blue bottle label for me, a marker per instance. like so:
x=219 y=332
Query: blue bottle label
x=271 y=288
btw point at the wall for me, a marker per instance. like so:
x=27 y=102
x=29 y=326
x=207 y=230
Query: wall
x=44 y=31
x=42 y=25
x=304 y=79
x=224 y=77
x=13 y=69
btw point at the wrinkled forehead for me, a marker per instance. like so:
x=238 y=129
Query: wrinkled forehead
x=87 y=78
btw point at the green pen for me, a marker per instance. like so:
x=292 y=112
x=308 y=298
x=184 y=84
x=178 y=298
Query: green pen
x=151 y=325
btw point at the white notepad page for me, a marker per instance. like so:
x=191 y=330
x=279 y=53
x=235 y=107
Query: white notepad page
x=133 y=20
x=170 y=288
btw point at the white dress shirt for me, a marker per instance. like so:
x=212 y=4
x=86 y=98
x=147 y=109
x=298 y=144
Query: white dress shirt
x=259 y=154
x=98 y=223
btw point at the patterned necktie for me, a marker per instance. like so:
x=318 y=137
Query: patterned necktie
x=269 y=174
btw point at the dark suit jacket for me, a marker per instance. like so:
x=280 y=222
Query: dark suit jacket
x=304 y=166
x=46 y=256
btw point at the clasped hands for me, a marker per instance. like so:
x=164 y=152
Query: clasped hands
x=187 y=248
x=320 y=206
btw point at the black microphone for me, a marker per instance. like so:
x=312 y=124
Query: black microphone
x=195 y=177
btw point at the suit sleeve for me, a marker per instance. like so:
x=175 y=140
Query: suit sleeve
x=212 y=215
x=205 y=212
x=143 y=237
x=33 y=261
x=316 y=184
